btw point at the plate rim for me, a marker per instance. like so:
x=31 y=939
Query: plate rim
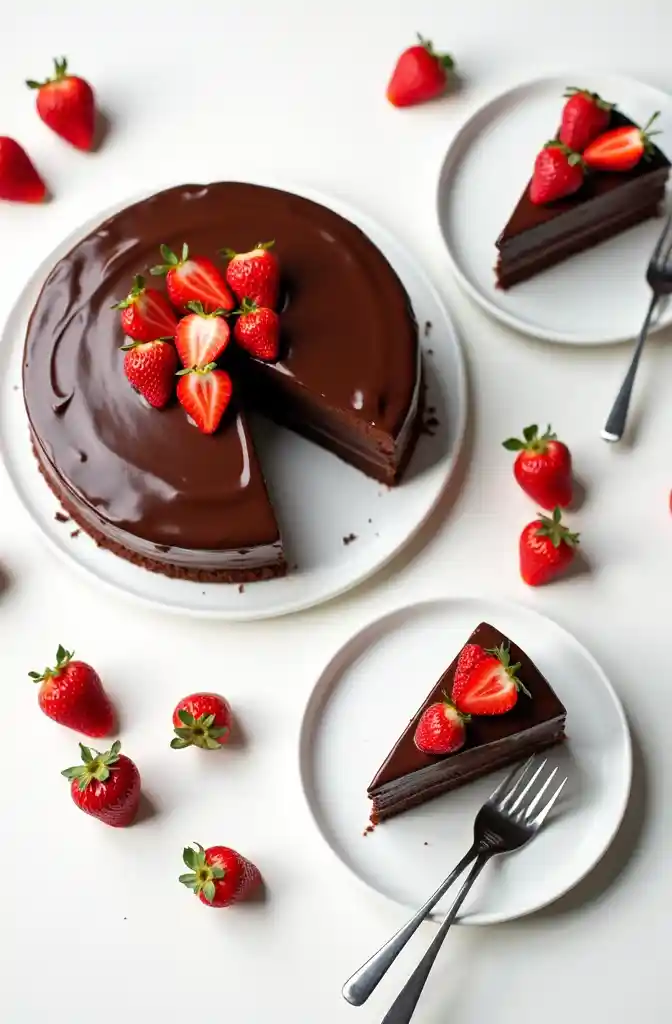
x=470 y=289
x=357 y=215
x=342 y=655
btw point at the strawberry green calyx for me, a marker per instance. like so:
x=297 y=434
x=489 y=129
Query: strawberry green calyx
x=231 y=253
x=197 y=732
x=594 y=97
x=202 y=876
x=247 y=306
x=197 y=369
x=556 y=531
x=171 y=260
x=444 y=59
x=573 y=158
x=63 y=658
x=646 y=134
x=198 y=307
x=448 y=703
x=136 y=291
x=532 y=440
x=60 y=72
x=503 y=655
x=95 y=767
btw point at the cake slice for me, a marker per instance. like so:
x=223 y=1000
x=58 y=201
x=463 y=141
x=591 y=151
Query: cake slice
x=539 y=236
x=409 y=777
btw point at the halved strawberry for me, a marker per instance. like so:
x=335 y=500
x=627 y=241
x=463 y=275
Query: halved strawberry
x=201 y=337
x=193 y=279
x=146 y=313
x=487 y=683
x=621 y=149
x=204 y=392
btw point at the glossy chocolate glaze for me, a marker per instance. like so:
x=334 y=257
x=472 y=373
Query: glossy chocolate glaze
x=149 y=478
x=607 y=203
x=491 y=740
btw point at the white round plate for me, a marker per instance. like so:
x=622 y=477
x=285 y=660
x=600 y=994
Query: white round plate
x=321 y=502
x=597 y=297
x=371 y=689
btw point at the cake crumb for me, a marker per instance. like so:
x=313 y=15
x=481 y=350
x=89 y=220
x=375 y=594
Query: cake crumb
x=428 y=327
x=295 y=566
x=241 y=588
x=75 y=533
x=61 y=517
x=15 y=387
x=203 y=592
x=368 y=830
x=429 y=426
x=369 y=520
x=430 y=351
x=425 y=843
x=349 y=539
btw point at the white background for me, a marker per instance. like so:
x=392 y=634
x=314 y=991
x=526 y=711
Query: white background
x=94 y=921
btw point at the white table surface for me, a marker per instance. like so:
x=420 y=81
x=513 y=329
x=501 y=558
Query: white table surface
x=94 y=921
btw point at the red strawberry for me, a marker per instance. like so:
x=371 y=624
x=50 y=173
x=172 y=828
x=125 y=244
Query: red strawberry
x=558 y=172
x=420 y=74
x=19 y=181
x=254 y=275
x=440 y=729
x=584 y=116
x=485 y=683
x=202 y=720
x=67 y=105
x=193 y=279
x=107 y=786
x=201 y=337
x=146 y=313
x=150 y=368
x=204 y=393
x=73 y=695
x=546 y=549
x=543 y=467
x=257 y=330
x=219 y=876
x=621 y=149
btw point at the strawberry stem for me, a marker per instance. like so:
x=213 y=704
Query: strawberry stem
x=63 y=657
x=555 y=529
x=444 y=59
x=532 y=441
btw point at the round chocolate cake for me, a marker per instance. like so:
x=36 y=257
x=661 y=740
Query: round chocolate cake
x=144 y=482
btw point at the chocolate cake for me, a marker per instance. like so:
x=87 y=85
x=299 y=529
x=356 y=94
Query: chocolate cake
x=539 y=236
x=409 y=777
x=145 y=483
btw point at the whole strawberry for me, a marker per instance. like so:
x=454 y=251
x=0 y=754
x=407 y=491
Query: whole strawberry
x=558 y=172
x=547 y=548
x=19 y=181
x=204 y=392
x=219 y=876
x=73 y=695
x=150 y=368
x=201 y=720
x=106 y=786
x=193 y=279
x=254 y=275
x=146 y=313
x=543 y=467
x=257 y=330
x=441 y=729
x=420 y=74
x=485 y=681
x=584 y=116
x=67 y=105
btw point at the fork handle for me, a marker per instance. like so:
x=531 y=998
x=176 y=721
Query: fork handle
x=359 y=987
x=403 y=1007
x=614 y=428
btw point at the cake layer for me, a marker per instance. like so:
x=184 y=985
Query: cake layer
x=408 y=776
x=146 y=483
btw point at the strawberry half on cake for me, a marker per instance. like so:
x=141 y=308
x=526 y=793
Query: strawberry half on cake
x=490 y=708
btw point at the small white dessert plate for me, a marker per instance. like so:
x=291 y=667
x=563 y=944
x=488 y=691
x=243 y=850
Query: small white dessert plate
x=338 y=526
x=370 y=690
x=597 y=297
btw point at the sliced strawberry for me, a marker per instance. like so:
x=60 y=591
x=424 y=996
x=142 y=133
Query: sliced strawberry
x=204 y=392
x=19 y=181
x=201 y=337
x=490 y=687
x=146 y=313
x=621 y=149
x=193 y=279
x=440 y=729
x=470 y=656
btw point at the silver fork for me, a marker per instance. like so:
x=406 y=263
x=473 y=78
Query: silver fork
x=508 y=820
x=659 y=278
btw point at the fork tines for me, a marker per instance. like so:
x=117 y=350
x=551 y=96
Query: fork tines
x=661 y=253
x=517 y=798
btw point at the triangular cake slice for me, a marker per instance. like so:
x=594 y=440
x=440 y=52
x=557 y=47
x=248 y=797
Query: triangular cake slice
x=539 y=236
x=408 y=777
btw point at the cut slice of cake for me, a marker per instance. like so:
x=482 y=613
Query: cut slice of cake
x=538 y=236
x=409 y=777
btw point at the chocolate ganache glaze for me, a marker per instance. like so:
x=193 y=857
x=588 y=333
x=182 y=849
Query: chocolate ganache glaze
x=145 y=482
